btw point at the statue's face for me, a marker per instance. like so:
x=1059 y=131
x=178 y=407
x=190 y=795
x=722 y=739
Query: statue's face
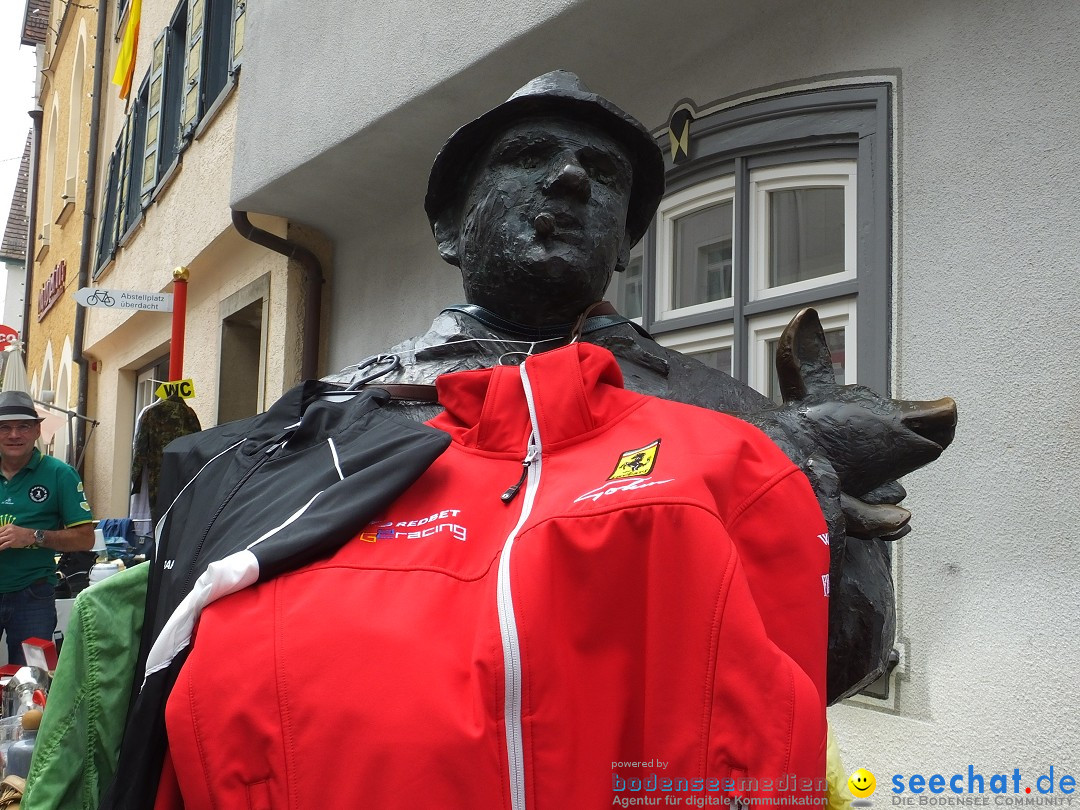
x=543 y=223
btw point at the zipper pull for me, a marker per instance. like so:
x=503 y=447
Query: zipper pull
x=512 y=491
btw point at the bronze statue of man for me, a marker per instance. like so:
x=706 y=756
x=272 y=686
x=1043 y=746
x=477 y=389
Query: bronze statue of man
x=538 y=202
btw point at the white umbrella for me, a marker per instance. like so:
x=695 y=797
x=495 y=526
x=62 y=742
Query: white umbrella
x=14 y=370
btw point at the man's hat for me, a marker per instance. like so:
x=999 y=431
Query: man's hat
x=562 y=93
x=17 y=405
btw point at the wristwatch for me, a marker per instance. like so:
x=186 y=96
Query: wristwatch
x=39 y=538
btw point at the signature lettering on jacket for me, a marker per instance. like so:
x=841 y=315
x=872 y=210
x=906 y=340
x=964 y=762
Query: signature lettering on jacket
x=825 y=583
x=604 y=489
x=824 y=538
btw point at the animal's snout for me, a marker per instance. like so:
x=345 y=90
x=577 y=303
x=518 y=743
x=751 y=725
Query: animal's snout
x=934 y=420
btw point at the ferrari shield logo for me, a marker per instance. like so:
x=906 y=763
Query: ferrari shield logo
x=633 y=463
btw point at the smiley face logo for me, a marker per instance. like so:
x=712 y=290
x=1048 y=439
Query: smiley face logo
x=862 y=783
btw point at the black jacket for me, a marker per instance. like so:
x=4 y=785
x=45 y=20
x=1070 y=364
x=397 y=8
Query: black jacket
x=242 y=503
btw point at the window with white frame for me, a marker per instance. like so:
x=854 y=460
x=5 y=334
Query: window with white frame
x=802 y=226
x=694 y=249
x=782 y=203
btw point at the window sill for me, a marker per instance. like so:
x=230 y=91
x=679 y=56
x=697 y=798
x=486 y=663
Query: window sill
x=43 y=251
x=129 y=234
x=65 y=212
x=166 y=180
x=659 y=327
x=101 y=271
x=213 y=110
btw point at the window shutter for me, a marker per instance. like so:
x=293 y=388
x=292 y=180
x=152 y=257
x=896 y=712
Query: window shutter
x=106 y=224
x=149 y=176
x=189 y=114
x=237 y=51
x=123 y=150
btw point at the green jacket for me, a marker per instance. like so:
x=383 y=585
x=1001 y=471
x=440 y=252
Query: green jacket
x=79 y=739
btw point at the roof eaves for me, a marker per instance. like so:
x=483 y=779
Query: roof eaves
x=13 y=244
x=35 y=22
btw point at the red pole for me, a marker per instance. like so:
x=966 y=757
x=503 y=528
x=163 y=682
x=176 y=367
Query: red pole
x=179 y=316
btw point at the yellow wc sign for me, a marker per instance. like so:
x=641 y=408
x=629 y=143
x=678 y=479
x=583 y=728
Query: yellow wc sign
x=185 y=389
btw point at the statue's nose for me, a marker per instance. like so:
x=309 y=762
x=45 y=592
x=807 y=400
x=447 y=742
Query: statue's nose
x=571 y=179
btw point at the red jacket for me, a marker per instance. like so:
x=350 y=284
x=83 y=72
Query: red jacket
x=646 y=615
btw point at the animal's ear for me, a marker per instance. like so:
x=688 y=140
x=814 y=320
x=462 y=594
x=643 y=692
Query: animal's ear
x=803 y=362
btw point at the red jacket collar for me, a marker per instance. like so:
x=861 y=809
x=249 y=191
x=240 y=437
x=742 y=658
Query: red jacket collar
x=576 y=390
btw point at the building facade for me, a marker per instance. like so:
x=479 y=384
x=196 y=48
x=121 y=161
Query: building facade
x=162 y=203
x=59 y=200
x=909 y=169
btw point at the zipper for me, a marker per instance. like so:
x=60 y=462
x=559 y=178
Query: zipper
x=264 y=457
x=513 y=490
x=508 y=621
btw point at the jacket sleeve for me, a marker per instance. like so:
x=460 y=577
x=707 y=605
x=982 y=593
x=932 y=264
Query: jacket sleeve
x=782 y=541
x=60 y=772
x=77 y=746
x=168 y=792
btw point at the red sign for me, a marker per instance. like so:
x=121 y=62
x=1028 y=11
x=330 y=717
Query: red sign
x=52 y=289
x=8 y=336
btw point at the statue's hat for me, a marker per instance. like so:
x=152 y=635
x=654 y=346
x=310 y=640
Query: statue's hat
x=561 y=93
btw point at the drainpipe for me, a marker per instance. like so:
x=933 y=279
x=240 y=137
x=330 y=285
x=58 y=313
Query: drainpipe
x=313 y=281
x=37 y=116
x=86 y=251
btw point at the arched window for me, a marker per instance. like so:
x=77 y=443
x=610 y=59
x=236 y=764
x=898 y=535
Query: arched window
x=48 y=210
x=47 y=366
x=60 y=443
x=47 y=391
x=772 y=205
x=75 y=108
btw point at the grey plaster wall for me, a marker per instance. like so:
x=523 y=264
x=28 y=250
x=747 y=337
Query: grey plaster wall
x=984 y=286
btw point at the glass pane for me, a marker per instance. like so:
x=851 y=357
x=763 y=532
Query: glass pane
x=806 y=234
x=720 y=359
x=624 y=291
x=835 y=340
x=702 y=267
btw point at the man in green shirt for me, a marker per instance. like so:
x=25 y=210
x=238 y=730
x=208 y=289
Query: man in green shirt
x=43 y=510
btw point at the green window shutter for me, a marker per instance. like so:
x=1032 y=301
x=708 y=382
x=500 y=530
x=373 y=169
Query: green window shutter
x=189 y=114
x=106 y=222
x=122 y=180
x=149 y=175
x=237 y=52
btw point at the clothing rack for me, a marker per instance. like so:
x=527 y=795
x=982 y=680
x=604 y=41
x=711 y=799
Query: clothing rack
x=71 y=432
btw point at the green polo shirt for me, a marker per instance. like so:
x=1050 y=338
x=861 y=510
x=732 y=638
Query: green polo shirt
x=45 y=494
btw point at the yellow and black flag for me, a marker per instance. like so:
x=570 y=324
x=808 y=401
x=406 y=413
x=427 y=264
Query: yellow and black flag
x=679 y=134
